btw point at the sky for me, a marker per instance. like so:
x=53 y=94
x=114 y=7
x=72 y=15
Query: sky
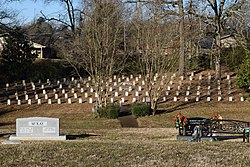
x=29 y=10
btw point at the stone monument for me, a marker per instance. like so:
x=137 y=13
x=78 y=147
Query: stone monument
x=37 y=128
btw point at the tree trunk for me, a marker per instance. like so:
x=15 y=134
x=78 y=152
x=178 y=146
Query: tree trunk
x=218 y=51
x=181 y=28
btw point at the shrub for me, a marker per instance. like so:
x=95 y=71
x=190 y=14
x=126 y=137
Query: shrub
x=243 y=75
x=110 y=112
x=140 y=109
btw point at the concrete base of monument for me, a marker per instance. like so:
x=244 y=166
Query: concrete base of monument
x=190 y=138
x=14 y=137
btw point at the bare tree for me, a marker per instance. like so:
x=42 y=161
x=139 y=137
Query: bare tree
x=7 y=15
x=96 y=47
x=216 y=14
x=155 y=57
x=69 y=18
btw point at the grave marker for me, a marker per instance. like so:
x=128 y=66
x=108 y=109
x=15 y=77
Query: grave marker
x=37 y=128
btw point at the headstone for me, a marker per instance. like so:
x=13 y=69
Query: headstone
x=72 y=90
x=36 y=96
x=116 y=94
x=75 y=95
x=90 y=100
x=198 y=93
x=136 y=93
x=29 y=102
x=168 y=88
x=65 y=95
x=122 y=100
x=130 y=89
x=49 y=101
x=8 y=102
x=56 y=96
x=208 y=99
x=120 y=88
x=139 y=88
x=111 y=100
x=86 y=95
x=18 y=102
x=63 y=91
x=197 y=99
x=230 y=98
x=126 y=93
x=39 y=102
x=164 y=99
x=26 y=97
x=37 y=128
x=142 y=82
x=219 y=98
x=133 y=100
x=58 y=101
x=175 y=99
x=186 y=99
x=80 y=100
x=69 y=100
x=146 y=93
x=242 y=98
x=82 y=90
x=44 y=91
x=187 y=93
x=46 y=96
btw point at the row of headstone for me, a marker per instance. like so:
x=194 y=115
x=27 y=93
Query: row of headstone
x=122 y=100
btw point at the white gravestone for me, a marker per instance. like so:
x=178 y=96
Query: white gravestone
x=37 y=128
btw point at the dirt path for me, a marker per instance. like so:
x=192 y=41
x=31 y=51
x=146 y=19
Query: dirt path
x=126 y=119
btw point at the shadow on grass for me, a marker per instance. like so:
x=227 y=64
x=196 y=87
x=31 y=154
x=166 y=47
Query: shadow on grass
x=5 y=134
x=6 y=124
x=221 y=138
x=79 y=136
x=181 y=105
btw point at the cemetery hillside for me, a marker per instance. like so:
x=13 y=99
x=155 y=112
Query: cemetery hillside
x=126 y=83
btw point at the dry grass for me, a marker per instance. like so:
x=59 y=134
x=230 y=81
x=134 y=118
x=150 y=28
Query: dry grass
x=129 y=147
x=102 y=142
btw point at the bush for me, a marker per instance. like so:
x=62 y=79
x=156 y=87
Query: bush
x=140 y=109
x=243 y=75
x=110 y=112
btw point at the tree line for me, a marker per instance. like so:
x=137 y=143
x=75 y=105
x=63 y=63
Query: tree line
x=150 y=37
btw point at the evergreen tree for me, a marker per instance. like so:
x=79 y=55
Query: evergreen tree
x=17 y=55
x=243 y=75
